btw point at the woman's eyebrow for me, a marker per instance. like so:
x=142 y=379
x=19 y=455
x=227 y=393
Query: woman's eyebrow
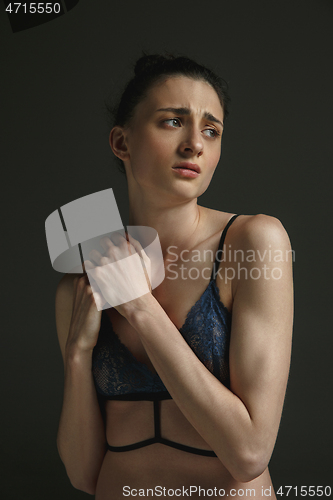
x=187 y=111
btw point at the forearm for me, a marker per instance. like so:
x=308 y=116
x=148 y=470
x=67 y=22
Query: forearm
x=81 y=434
x=217 y=414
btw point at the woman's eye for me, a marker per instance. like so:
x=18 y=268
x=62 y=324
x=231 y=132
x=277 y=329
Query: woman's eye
x=174 y=122
x=211 y=132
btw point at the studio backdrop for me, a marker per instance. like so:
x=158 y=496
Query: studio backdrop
x=58 y=71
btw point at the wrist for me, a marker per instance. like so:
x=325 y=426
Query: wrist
x=137 y=310
x=75 y=354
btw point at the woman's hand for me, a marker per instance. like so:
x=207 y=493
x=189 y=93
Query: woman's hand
x=86 y=319
x=120 y=277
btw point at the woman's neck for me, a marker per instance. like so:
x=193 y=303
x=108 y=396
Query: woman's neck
x=176 y=224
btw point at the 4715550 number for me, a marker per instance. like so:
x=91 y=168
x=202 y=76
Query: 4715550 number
x=305 y=491
x=34 y=8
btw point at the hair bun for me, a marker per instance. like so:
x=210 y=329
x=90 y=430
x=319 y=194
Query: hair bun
x=147 y=62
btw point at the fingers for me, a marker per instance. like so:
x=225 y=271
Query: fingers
x=86 y=289
x=96 y=256
x=118 y=237
x=145 y=261
x=138 y=247
x=81 y=285
x=80 y=281
x=115 y=247
x=106 y=243
x=99 y=299
x=88 y=264
x=136 y=244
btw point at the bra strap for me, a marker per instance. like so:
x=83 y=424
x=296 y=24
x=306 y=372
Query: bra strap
x=220 y=248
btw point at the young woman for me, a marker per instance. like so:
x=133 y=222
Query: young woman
x=183 y=387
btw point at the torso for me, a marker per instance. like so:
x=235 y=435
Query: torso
x=128 y=422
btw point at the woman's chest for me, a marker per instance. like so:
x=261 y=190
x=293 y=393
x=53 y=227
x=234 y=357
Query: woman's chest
x=195 y=306
x=187 y=287
x=121 y=365
x=179 y=298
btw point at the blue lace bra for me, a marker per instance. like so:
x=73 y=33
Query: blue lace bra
x=119 y=375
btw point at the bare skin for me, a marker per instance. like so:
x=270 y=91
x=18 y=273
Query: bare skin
x=239 y=424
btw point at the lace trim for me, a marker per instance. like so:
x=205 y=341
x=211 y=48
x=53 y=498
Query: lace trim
x=206 y=330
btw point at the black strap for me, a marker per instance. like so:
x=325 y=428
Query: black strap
x=189 y=449
x=167 y=442
x=159 y=439
x=133 y=446
x=220 y=248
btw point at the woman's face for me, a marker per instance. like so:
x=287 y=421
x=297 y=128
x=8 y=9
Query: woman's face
x=174 y=138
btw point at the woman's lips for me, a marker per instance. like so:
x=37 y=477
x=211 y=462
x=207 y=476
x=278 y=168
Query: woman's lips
x=189 y=165
x=185 y=172
x=187 y=169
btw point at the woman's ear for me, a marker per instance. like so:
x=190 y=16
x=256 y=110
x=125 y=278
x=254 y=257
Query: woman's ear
x=118 y=144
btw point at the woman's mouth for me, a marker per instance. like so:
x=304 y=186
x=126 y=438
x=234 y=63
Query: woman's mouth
x=186 y=172
x=187 y=169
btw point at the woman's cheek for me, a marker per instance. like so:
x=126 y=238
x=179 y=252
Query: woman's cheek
x=208 y=178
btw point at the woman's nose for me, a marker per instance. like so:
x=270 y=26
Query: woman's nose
x=192 y=144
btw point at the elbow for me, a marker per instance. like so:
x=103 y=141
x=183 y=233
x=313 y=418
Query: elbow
x=83 y=485
x=78 y=479
x=81 y=481
x=248 y=467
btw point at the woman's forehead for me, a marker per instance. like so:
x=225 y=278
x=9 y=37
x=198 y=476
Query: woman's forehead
x=184 y=92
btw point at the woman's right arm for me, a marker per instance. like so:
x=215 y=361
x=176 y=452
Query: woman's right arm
x=81 y=435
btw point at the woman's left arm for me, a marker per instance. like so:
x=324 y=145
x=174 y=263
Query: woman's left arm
x=240 y=424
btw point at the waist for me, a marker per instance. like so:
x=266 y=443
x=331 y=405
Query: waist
x=131 y=422
x=156 y=466
x=161 y=467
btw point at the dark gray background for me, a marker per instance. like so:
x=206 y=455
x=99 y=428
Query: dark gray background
x=276 y=159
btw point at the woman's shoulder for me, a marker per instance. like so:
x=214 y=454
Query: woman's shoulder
x=64 y=296
x=65 y=286
x=250 y=230
x=260 y=231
